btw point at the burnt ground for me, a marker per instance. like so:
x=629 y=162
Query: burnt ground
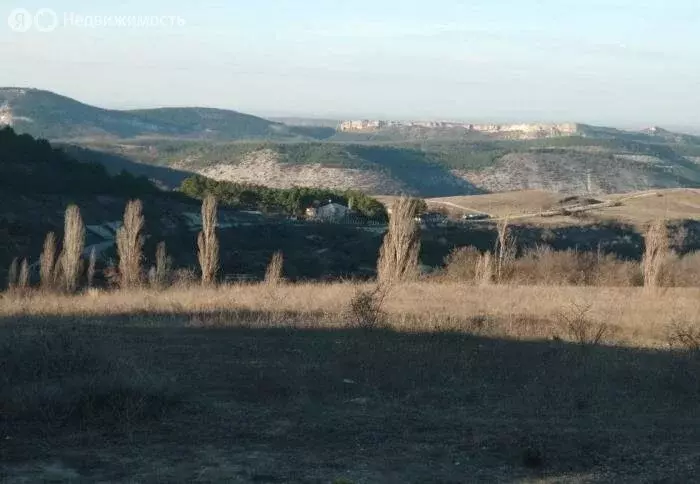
x=240 y=404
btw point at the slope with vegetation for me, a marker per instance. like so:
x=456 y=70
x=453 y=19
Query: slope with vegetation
x=48 y=115
x=573 y=165
x=232 y=146
x=292 y=201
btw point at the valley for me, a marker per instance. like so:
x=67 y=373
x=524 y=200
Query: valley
x=382 y=158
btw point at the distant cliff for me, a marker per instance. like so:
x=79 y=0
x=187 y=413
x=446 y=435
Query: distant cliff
x=519 y=131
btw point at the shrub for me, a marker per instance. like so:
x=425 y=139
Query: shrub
x=684 y=336
x=467 y=264
x=366 y=308
x=581 y=328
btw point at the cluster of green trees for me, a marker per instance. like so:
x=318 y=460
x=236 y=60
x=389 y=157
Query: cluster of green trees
x=29 y=165
x=290 y=201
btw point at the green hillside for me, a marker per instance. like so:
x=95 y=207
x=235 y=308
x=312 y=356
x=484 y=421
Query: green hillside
x=48 y=115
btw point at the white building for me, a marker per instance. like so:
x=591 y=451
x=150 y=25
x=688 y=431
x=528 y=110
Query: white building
x=329 y=212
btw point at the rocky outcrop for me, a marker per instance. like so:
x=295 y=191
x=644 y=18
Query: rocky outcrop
x=522 y=131
x=5 y=116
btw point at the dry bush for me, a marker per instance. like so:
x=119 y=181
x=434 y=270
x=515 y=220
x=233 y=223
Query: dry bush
x=47 y=263
x=467 y=264
x=184 y=278
x=544 y=266
x=656 y=252
x=366 y=308
x=613 y=272
x=273 y=273
x=484 y=269
x=505 y=251
x=580 y=327
x=130 y=245
x=208 y=243
x=398 y=256
x=684 y=336
x=73 y=246
x=461 y=264
x=161 y=274
x=681 y=271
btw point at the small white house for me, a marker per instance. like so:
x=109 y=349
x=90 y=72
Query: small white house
x=329 y=212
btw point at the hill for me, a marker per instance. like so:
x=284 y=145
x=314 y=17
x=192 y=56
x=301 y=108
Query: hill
x=48 y=115
x=434 y=168
x=426 y=159
x=374 y=169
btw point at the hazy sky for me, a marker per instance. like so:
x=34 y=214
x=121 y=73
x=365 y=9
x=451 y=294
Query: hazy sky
x=621 y=62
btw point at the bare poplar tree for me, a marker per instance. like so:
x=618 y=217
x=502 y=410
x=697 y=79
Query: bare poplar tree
x=91 y=267
x=163 y=268
x=273 y=274
x=73 y=245
x=130 y=244
x=13 y=274
x=47 y=262
x=398 y=256
x=23 y=278
x=656 y=250
x=207 y=242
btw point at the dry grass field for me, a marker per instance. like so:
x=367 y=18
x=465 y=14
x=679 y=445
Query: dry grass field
x=549 y=367
x=280 y=383
x=526 y=206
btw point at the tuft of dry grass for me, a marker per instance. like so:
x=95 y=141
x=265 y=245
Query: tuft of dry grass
x=130 y=245
x=398 y=255
x=208 y=243
x=47 y=263
x=72 y=251
x=656 y=252
x=274 y=271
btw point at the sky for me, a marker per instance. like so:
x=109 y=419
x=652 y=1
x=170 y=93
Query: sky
x=627 y=63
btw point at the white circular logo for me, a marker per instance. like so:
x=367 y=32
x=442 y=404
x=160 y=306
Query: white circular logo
x=20 y=20
x=45 y=20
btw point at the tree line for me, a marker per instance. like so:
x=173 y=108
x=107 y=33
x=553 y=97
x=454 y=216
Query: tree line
x=290 y=201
